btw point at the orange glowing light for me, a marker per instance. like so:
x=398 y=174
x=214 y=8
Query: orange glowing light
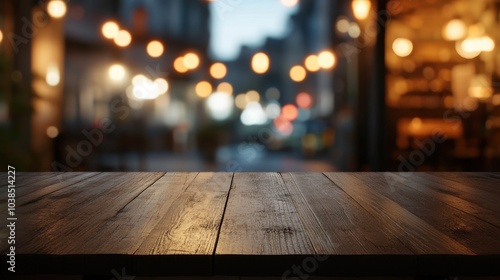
x=155 y=48
x=179 y=65
x=297 y=73
x=191 y=61
x=260 y=63
x=289 y=112
x=312 y=63
x=203 y=89
x=123 y=38
x=304 y=100
x=218 y=70
x=110 y=29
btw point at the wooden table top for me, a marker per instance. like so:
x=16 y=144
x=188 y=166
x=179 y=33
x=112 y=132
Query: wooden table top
x=330 y=224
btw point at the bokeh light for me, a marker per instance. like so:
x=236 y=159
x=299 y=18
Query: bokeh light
x=56 y=8
x=145 y=89
x=179 y=65
x=297 y=73
x=252 y=96
x=52 y=132
x=454 y=30
x=283 y=126
x=241 y=101
x=155 y=48
x=53 y=76
x=354 y=31
x=225 y=87
x=326 y=59
x=289 y=112
x=116 y=72
x=342 y=25
x=162 y=85
x=289 y=3
x=402 y=47
x=123 y=38
x=191 y=61
x=218 y=70
x=110 y=29
x=253 y=114
x=361 y=8
x=220 y=105
x=312 y=63
x=260 y=63
x=304 y=100
x=203 y=89
x=463 y=53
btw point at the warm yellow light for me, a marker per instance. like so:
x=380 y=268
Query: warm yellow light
x=354 y=30
x=203 y=89
x=1 y=36
x=326 y=59
x=464 y=53
x=155 y=48
x=52 y=131
x=252 y=96
x=487 y=44
x=116 y=72
x=297 y=73
x=416 y=123
x=260 y=63
x=361 y=8
x=123 y=38
x=480 y=87
x=343 y=25
x=241 y=101
x=455 y=29
x=110 y=29
x=191 y=61
x=225 y=87
x=402 y=47
x=480 y=44
x=312 y=63
x=162 y=85
x=53 y=77
x=218 y=70
x=289 y=3
x=179 y=65
x=56 y=8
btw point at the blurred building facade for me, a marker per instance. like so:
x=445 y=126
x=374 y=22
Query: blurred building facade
x=358 y=85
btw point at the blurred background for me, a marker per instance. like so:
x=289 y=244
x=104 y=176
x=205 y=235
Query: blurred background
x=261 y=85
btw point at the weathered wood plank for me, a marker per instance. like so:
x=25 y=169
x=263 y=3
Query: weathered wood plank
x=261 y=228
x=466 y=191
x=486 y=182
x=328 y=212
x=477 y=235
x=419 y=236
x=52 y=224
x=184 y=238
x=449 y=198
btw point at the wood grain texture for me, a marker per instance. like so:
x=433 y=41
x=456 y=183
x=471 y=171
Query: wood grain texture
x=184 y=238
x=258 y=224
x=329 y=212
x=261 y=231
x=54 y=224
x=418 y=235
